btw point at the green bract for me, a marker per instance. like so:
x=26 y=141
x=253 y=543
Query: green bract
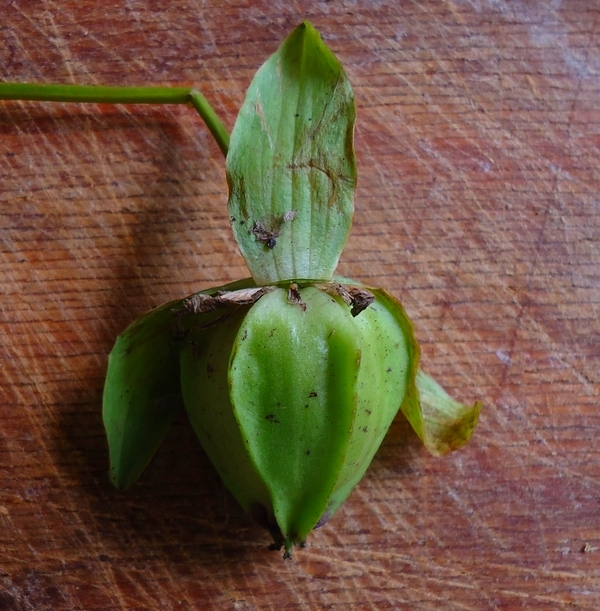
x=291 y=167
x=290 y=378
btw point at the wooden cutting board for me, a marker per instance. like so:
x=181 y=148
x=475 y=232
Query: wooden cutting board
x=478 y=143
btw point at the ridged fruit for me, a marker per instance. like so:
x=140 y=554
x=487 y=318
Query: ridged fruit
x=291 y=400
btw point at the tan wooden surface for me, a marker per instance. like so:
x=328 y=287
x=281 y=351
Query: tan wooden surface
x=478 y=205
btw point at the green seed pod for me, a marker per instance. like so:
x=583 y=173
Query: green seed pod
x=291 y=378
x=291 y=399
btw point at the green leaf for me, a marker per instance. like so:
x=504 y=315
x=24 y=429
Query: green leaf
x=142 y=392
x=291 y=166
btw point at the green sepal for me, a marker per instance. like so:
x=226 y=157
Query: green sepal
x=291 y=167
x=142 y=392
x=205 y=361
x=442 y=423
x=389 y=361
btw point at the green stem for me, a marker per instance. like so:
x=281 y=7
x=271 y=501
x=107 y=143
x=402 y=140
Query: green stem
x=121 y=95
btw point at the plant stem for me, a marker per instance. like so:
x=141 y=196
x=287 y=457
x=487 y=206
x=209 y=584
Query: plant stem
x=120 y=95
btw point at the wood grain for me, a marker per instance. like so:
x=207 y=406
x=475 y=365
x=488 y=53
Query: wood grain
x=478 y=142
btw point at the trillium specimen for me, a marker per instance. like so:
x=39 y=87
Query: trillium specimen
x=292 y=377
